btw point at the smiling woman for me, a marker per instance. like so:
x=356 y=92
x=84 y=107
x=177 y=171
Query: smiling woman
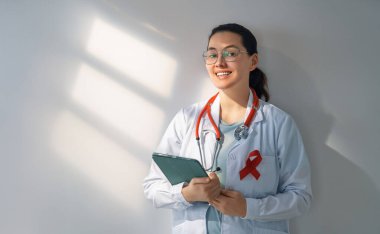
x=259 y=174
x=226 y=47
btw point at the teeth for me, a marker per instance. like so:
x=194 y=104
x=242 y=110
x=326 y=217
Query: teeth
x=223 y=73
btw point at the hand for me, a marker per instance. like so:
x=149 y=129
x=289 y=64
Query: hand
x=231 y=203
x=202 y=189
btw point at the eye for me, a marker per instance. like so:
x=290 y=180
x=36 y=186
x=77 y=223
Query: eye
x=230 y=53
x=212 y=55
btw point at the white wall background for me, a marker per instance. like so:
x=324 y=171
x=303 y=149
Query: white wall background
x=88 y=87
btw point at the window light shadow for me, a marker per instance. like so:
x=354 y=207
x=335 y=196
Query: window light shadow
x=98 y=95
x=120 y=107
x=133 y=57
x=102 y=161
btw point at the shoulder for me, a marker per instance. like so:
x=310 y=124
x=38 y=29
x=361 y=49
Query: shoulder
x=281 y=122
x=184 y=120
x=190 y=112
x=271 y=111
x=275 y=115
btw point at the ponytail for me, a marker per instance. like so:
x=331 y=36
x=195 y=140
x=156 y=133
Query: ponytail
x=259 y=82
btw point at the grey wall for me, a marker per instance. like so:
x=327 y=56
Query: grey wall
x=88 y=87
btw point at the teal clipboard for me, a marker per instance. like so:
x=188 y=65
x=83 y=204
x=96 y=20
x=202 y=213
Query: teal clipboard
x=179 y=169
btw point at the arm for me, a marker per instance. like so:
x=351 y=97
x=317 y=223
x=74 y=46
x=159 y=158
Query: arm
x=294 y=190
x=161 y=192
x=156 y=187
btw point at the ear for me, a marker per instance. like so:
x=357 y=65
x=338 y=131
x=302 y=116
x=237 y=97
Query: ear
x=254 y=61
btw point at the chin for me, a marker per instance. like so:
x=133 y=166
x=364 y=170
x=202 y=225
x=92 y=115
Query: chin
x=222 y=83
x=223 y=86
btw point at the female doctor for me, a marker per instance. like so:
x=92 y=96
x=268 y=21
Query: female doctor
x=259 y=175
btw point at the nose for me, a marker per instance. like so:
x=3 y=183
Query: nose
x=220 y=61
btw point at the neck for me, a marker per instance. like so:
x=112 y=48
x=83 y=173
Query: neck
x=233 y=105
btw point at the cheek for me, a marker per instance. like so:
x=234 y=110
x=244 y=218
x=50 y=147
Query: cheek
x=209 y=70
x=244 y=69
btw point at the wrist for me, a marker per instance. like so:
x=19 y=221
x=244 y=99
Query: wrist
x=185 y=193
x=243 y=212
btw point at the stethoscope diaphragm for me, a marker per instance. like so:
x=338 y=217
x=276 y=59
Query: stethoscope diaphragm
x=241 y=132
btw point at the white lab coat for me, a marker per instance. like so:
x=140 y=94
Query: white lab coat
x=282 y=192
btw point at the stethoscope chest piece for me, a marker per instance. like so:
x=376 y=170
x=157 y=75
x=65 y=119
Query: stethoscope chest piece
x=241 y=132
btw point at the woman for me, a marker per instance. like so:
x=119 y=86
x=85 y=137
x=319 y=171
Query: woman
x=260 y=176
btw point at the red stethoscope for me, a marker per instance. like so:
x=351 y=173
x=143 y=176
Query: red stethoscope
x=241 y=132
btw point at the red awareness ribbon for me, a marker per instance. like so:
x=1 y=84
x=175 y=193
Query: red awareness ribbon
x=250 y=165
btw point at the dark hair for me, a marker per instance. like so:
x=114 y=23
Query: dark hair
x=257 y=79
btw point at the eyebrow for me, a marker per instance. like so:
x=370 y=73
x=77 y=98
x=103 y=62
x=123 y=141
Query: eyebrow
x=212 y=48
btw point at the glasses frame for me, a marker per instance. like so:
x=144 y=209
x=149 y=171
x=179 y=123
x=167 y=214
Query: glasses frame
x=222 y=54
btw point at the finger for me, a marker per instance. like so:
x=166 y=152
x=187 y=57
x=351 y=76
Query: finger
x=217 y=205
x=229 y=193
x=220 y=199
x=215 y=201
x=201 y=180
x=214 y=194
x=215 y=185
x=213 y=175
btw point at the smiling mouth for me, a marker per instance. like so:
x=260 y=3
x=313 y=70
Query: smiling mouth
x=222 y=74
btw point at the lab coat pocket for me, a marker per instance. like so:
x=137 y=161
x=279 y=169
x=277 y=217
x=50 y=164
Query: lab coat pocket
x=267 y=182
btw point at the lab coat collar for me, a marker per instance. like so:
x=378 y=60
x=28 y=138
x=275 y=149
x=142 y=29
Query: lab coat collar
x=215 y=113
x=259 y=114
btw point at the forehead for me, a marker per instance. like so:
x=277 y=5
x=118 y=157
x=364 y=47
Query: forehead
x=222 y=40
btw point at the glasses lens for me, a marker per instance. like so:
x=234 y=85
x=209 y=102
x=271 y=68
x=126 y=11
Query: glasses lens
x=210 y=56
x=230 y=54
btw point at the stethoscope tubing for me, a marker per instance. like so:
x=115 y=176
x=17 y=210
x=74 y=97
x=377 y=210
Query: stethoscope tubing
x=217 y=148
x=240 y=132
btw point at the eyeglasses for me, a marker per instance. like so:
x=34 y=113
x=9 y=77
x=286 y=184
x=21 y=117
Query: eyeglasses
x=229 y=54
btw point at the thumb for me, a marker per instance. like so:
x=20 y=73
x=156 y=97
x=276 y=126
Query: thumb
x=213 y=175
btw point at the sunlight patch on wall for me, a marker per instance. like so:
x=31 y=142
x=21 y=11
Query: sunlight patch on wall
x=113 y=169
x=334 y=142
x=138 y=60
x=123 y=109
